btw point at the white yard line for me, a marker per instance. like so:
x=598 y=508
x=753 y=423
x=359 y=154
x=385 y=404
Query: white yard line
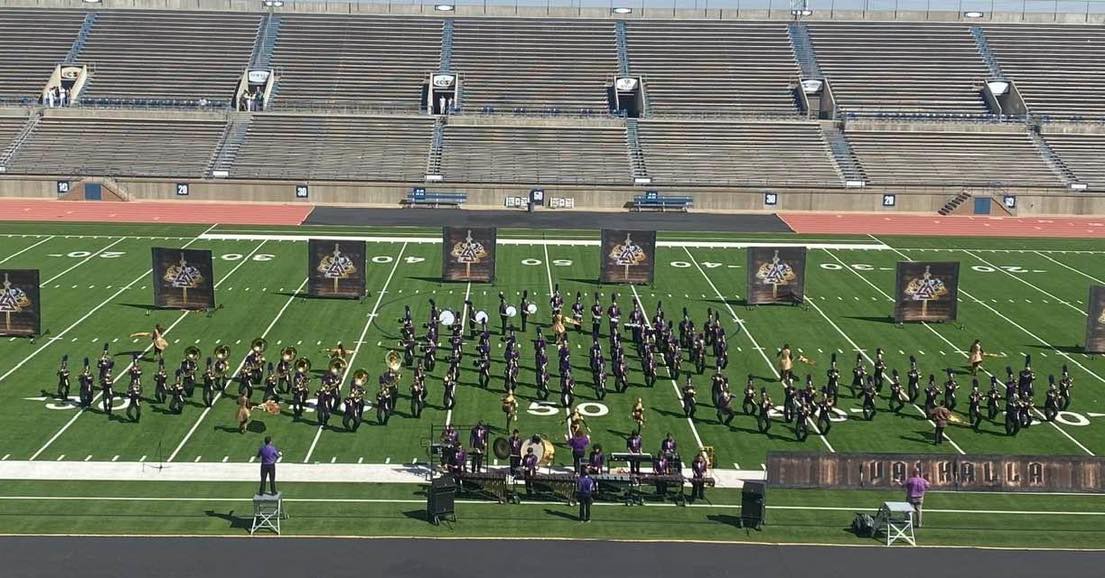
x=548 y=268
x=1068 y=267
x=964 y=354
x=360 y=342
x=123 y=371
x=219 y=394
x=57 y=337
x=755 y=344
x=463 y=316
x=18 y=253
x=81 y=262
x=996 y=268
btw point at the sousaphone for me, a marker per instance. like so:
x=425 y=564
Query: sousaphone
x=288 y=354
x=337 y=365
x=303 y=365
x=259 y=345
x=222 y=352
x=192 y=353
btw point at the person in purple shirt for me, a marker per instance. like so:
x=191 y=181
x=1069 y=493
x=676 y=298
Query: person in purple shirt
x=668 y=447
x=597 y=459
x=529 y=469
x=269 y=454
x=585 y=490
x=633 y=444
x=578 y=442
x=915 y=488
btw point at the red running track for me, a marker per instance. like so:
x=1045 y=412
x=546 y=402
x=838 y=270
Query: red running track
x=174 y=212
x=944 y=226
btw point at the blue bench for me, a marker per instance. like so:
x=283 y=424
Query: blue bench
x=653 y=201
x=420 y=197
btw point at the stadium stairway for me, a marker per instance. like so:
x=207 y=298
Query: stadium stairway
x=804 y=54
x=987 y=55
x=267 y=35
x=20 y=138
x=636 y=156
x=845 y=159
x=954 y=203
x=234 y=133
x=1057 y=165
x=82 y=37
x=623 y=50
x=446 y=45
x=437 y=142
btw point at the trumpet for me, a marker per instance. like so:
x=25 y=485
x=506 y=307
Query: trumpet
x=222 y=352
x=259 y=345
x=288 y=354
x=337 y=365
x=192 y=353
x=303 y=365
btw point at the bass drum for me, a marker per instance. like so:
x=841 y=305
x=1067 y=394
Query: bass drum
x=542 y=448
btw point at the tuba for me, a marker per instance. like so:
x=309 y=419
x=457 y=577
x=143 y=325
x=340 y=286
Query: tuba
x=288 y=354
x=192 y=353
x=222 y=352
x=337 y=365
x=259 y=345
x=303 y=365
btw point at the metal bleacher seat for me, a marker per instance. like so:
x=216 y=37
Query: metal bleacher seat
x=115 y=146
x=328 y=61
x=901 y=67
x=1082 y=154
x=334 y=147
x=951 y=158
x=738 y=153
x=535 y=154
x=714 y=68
x=32 y=42
x=535 y=66
x=1057 y=68
x=167 y=57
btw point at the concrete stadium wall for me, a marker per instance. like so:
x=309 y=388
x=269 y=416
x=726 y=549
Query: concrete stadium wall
x=909 y=199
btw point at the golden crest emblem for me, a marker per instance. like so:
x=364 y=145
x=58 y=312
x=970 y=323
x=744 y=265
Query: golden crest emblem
x=183 y=275
x=468 y=252
x=926 y=287
x=776 y=273
x=627 y=254
x=336 y=266
x=12 y=300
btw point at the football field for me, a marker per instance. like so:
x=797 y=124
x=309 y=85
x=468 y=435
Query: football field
x=1018 y=296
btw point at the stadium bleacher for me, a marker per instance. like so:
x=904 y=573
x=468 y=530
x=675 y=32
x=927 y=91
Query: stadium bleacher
x=334 y=148
x=32 y=42
x=1082 y=153
x=901 y=67
x=537 y=66
x=951 y=158
x=115 y=146
x=167 y=57
x=714 y=68
x=1057 y=69
x=744 y=153
x=364 y=61
x=535 y=154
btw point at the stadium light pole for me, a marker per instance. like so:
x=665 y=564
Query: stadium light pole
x=800 y=8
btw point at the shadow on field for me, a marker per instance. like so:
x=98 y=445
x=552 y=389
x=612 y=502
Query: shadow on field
x=143 y=306
x=1063 y=348
x=880 y=319
x=236 y=522
x=559 y=514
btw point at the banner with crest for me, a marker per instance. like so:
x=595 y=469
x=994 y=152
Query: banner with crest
x=628 y=256
x=183 y=278
x=468 y=254
x=20 y=309
x=927 y=291
x=776 y=275
x=1095 y=325
x=336 y=268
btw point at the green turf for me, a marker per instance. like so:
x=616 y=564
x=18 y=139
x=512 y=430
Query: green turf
x=398 y=510
x=1036 y=307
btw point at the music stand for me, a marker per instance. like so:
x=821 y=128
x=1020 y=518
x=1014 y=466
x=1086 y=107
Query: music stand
x=896 y=519
x=268 y=510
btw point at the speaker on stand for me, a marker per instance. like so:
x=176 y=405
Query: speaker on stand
x=753 y=506
x=440 y=500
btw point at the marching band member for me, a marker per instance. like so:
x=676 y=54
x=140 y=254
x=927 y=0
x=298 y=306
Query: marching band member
x=176 y=394
x=974 y=357
x=272 y=381
x=930 y=394
x=724 y=406
x=1066 y=384
x=686 y=330
x=160 y=379
x=105 y=365
x=300 y=391
x=786 y=364
x=688 y=398
x=596 y=460
x=1051 y=402
x=157 y=338
x=869 y=395
x=188 y=375
x=638 y=414
x=86 y=382
x=383 y=405
x=450 y=440
x=567 y=389
x=897 y=398
x=763 y=418
x=134 y=391
x=789 y=399
x=633 y=445
x=418 y=392
x=577 y=313
x=502 y=314
x=209 y=384
x=242 y=413
x=698 y=476
x=556 y=302
x=510 y=408
x=859 y=374
x=698 y=352
x=449 y=391
x=578 y=442
x=245 y=381
x=940 y=417
x=749 y=403
x=515 y=444
x=832 y=386
x=596 y=316
x=477 y=439
x=668 y=447
x=913 y=377
x=106 y=393
x=63 y=379
x=529 y=469
x=950 y=386
x=993 y=398
x=974 y=409
x=523 y=308
x=352 y=413
x=614 y=315
x=1027 y=379
x=880 y=370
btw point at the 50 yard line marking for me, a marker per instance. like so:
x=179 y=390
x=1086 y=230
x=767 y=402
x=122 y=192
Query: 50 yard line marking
x=98 y=395
x=89 y=314
x=360 y=345
x=755 y=344
x=961 y=352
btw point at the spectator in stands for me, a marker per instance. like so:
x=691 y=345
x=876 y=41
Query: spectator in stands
x=49 y=98
x=915 y=488
x=441 y=105
x=62 y=94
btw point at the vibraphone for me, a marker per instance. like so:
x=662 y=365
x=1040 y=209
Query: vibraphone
x=493 y=483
